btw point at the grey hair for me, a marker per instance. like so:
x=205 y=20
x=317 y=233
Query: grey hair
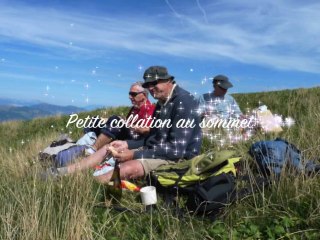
x=142 y=89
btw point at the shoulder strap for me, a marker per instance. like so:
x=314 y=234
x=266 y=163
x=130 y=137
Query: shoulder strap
x=207 y=96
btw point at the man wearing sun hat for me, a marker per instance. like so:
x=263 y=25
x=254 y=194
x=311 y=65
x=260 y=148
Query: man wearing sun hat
x=218 y=103
x=164 y=144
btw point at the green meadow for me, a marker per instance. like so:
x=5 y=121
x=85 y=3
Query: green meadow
x=70 y=209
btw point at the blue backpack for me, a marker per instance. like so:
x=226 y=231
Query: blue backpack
x=273 y=156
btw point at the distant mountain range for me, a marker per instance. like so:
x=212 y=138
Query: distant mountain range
x=14 y=109
x=18 y=102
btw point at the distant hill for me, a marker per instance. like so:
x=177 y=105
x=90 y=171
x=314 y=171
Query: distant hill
x=94 y=107
x=18 y=102
x=11 y=112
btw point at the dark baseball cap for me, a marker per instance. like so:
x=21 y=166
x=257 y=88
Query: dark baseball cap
x=155 y=73
x=222 y=81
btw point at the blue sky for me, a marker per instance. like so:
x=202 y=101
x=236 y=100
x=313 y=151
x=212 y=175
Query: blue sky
x=89 y=52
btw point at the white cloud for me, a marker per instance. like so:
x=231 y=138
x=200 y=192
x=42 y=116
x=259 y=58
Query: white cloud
x=273 y=34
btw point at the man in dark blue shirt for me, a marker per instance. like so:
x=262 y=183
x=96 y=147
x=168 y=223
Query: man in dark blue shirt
x=179 y=137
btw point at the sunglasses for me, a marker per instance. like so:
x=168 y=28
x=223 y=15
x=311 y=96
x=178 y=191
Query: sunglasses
x=134 y=94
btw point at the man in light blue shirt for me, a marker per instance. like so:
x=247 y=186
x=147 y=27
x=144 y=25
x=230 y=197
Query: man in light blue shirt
x=218 y=104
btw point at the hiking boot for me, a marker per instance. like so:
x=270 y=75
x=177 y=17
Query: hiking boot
x=50 y=173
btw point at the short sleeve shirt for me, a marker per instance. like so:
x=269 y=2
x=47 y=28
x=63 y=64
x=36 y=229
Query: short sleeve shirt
x=144 y=112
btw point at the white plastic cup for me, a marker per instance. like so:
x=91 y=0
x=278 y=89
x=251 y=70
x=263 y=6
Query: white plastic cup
x=148 y=195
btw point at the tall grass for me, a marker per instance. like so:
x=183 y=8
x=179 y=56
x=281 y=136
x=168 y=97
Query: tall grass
x=70 y=209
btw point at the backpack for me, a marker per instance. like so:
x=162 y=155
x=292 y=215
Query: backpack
x=199 y=168
x=211 y=195
x=273 y=156
x=207 y=181
x=60 y=152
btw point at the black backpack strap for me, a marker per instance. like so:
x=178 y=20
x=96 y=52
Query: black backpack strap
x=208 y=97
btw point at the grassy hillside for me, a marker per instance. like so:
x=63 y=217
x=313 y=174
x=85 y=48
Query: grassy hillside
x=67 y=209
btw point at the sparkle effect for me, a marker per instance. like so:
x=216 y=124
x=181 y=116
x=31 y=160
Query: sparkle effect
x=230 y=136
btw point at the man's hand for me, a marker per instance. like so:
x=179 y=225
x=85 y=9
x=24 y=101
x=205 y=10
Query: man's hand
x=119 y=145
x=124 y=155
